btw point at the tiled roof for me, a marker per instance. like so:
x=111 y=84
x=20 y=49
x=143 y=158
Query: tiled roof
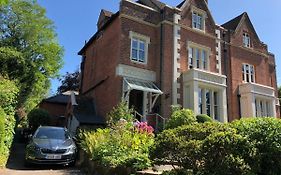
x=60 y=98
x=233 y=24
x=107 y=13
x=85 y=111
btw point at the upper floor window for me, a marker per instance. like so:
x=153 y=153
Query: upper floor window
x=198 y=58
x=246 y=40
x=248 y=73
x=139 y=47
x=197 y=21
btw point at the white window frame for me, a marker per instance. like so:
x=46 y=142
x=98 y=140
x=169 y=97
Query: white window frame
x=200 y=17
x=204 y=64
x=139 y=38
x=263 y=108
x=248 y=73
x=203 y=105
x=246 y=40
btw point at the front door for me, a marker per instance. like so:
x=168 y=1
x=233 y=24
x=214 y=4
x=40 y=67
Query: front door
x=136 y=101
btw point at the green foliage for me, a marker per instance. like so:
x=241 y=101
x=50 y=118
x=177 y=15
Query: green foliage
x=118 y=148
x=28 y=43
x=183 y=145
x=180 y=117
x=121 y=111
x=178 y=172
x=38 y=117
x=246 y=147
x=226 y=153
x=8 y=100
x=4 y=151
x=202 y=118
x=264 y=134
x=70 y=81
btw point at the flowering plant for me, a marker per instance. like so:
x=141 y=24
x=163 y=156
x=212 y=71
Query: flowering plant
x=143 y=127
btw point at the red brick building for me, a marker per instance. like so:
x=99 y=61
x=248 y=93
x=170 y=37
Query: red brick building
x=153 y=56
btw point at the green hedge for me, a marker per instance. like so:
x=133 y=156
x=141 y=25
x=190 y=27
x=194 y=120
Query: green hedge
x=37 y=117
x=247 y=147
x=180 y=117
x=202 y=118
x=8 y=101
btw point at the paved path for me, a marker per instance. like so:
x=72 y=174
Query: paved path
x=15 y=165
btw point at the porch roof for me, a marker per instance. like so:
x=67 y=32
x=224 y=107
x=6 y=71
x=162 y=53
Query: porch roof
x=146 y=86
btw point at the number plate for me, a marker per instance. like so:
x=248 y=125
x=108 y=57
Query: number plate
x=53 y=157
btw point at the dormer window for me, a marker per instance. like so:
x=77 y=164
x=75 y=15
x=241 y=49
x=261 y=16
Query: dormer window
x=197 y=21
x=246 y=40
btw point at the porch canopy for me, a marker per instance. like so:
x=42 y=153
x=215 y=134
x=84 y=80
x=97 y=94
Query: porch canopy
x=145 y=86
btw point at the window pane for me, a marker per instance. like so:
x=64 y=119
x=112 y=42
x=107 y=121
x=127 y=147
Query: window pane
x=135 y=54
x=204 y=59
x=142 y=45
x=268 y=109
x=199 y=22
x=141 y=56
x=208 y=105
x=194 y=20
x=135 y=44
x=190 y=60
x=200 y=101
x=197 y=51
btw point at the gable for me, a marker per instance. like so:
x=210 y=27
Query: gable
x=240 y=24
x=103 y=18
x=198 y=5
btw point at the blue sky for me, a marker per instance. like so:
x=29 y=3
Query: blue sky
x=75 y=22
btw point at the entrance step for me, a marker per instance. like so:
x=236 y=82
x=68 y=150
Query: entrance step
x=156 y=170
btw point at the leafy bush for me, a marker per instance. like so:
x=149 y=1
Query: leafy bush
x=124 y=145
x=264 y=134
x=121 y=111
x=180 y=117
x=207 y=148
x=178 y=172
x=183 y=145
x=118 y=148
x=247 y=147
x=38 y=117
x=226 y=153
x=202 y=118
x=8 y=102
x=4 y=151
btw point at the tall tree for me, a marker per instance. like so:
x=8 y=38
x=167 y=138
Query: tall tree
x=70 y=81
x=28 y=43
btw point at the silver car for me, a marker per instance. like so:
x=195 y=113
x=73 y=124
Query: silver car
x=51 y=145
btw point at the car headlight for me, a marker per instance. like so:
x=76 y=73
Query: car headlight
x=72 y=149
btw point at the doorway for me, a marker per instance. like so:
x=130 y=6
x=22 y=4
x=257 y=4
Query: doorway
x=136 y=102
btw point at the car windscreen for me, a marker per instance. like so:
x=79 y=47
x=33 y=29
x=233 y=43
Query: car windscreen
x=51 y=133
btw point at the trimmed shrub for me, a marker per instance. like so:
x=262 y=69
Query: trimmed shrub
x=8 y=102
x=183 y=145
x=202 y=118
x=207 y=148
x=226 y=153
x=265 y=135
x=38 y=117
x=180 y=117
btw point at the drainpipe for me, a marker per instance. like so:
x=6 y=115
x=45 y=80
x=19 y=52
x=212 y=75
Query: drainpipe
x=161 y=59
